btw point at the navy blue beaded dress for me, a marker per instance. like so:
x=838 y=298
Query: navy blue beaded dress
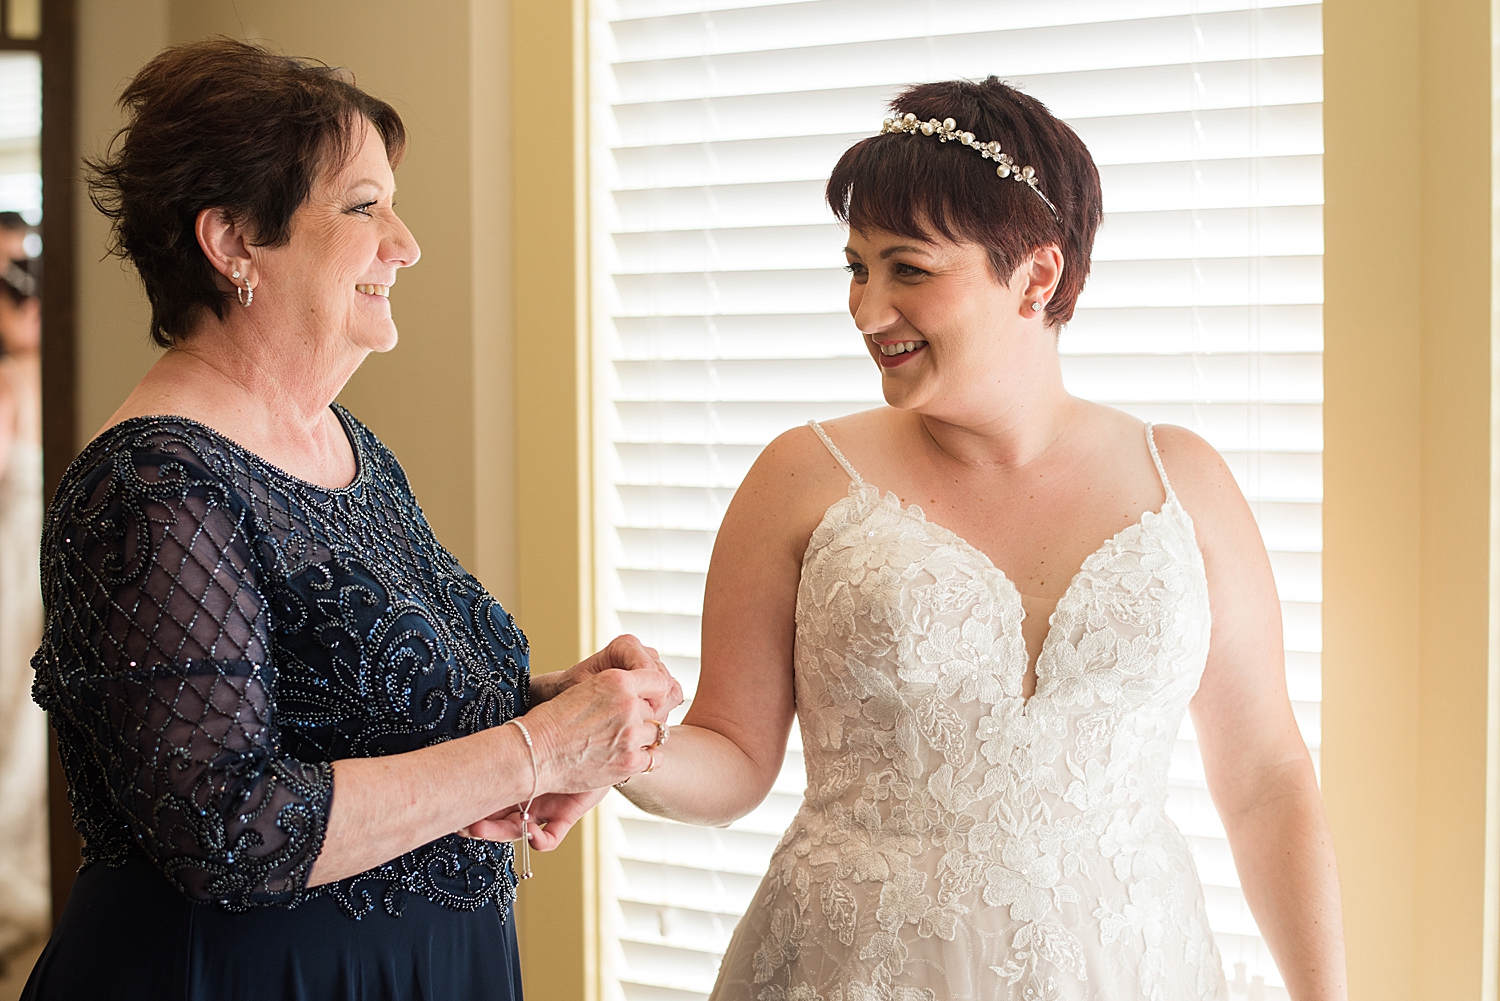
x=218 y=632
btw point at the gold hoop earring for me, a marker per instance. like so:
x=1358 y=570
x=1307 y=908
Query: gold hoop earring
x=245 y=295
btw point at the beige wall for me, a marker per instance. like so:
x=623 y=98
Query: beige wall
x=114 y=39
x=559 y=908
x=443 y=399
x=1408 y=621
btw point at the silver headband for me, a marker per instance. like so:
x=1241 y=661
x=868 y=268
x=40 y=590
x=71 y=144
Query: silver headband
x=947 y=130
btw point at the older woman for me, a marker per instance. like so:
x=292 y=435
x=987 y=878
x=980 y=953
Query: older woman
x=991 y=604
x=276 y=695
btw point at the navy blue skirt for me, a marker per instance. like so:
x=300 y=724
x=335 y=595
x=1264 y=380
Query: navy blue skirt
x=126 y=934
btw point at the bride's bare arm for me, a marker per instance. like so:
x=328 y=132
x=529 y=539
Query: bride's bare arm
x=721 y=762
x=1259 y=772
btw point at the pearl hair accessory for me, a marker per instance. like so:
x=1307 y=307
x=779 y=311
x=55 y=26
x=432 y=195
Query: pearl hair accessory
x=948 y=130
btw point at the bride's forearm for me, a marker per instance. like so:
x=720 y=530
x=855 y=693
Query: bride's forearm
x=701 y=777
x=1284 y=854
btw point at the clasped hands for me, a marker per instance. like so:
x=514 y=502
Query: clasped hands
x=594 y=725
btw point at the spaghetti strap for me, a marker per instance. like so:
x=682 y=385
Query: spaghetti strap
x=834 y=450
x=1156 y=458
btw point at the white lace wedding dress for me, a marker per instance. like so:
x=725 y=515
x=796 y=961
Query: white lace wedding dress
x=957 y=840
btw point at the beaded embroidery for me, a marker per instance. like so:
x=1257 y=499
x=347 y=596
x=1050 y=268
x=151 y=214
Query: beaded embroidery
x=218 y=632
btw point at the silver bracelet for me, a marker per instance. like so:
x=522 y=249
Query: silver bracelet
x=536 y=776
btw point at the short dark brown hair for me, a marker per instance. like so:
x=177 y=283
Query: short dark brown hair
x=918 y=187
x=228 y=125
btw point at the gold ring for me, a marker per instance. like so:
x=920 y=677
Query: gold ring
x=661 y=731
x=651 y=762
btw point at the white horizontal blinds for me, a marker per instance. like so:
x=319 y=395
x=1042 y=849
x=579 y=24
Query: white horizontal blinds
x=20 y=134
x=721 y=321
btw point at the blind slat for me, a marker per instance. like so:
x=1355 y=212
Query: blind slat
x=1112 y=284
x=1279 y=231
x=1164 y=330
x=1017 y=13
x=739 y=64
x=1162 y=143
x=1088 y=94
x=1269 y=378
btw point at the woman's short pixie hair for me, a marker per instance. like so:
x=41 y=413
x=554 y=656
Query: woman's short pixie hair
x=228 y=125
x=918 y=187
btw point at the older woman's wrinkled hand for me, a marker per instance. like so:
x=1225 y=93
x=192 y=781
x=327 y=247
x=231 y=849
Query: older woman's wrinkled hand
x=604 y=728
x=552 y=816
x=623 y=653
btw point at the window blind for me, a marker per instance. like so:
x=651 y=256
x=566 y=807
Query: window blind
x=20 y=134
x=720 y=320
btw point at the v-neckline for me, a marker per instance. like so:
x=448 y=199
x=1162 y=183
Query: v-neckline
x=915 y=511
x=945 y=534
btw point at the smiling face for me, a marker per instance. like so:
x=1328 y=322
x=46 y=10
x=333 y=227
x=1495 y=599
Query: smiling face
x=333 y=278
x=945 y=331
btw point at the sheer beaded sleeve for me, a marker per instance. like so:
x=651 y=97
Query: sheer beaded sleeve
x=153 y=579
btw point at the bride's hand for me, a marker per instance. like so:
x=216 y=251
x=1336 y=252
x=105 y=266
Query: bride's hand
x=552 y=816
x=623 y=653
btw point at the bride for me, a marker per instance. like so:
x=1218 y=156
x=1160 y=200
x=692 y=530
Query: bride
x=989 y=605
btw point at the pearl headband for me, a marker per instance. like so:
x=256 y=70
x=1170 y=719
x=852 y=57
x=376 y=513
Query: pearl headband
x=947 y=130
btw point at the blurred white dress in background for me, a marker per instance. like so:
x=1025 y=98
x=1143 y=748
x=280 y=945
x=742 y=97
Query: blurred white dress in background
x=24 y=872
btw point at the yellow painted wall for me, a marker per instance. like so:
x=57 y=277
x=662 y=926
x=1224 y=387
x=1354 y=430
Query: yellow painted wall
x=114 y=350
x=558 y=908
x=1407 y=593
x=1455 y=269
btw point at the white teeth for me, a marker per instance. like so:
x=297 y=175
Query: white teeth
x=900 y=347
x=384 y=290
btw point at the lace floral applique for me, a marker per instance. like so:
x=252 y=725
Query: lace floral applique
x=956 y=840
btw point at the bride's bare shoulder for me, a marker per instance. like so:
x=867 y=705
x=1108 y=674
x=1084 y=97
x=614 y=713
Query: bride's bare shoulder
x=1188 y=458
x=804 y=455
x=792 y=484
x=797 y=462
x=1201 y=478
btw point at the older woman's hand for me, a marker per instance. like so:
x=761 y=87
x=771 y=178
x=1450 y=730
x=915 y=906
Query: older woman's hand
x=597 y=726
x=601 y=730
x=624 y=653
x=552 y=816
